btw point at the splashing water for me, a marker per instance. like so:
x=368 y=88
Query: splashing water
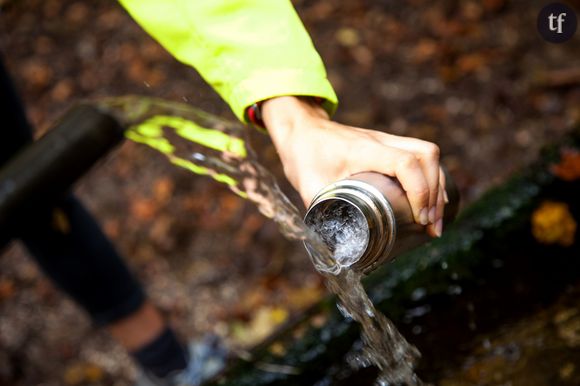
x=346 y=233
x=343 y=229
x=383 y=345
x=208 y=145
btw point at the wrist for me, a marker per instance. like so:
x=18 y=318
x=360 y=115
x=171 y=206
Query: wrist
x=285 y=113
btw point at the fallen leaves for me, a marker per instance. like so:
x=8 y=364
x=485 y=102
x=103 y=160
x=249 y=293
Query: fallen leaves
x=143 y=209
x=262 y=324
x=568 y=169
x=348 y=37
x=568 y=326
x=467 y=64
x=552 y=223
x=263 y=309
x=163 y=189
x=63 y=90
x=472 y=62
x=7 y=288
x=38 y=74
x=82 y=373
x=425 y=50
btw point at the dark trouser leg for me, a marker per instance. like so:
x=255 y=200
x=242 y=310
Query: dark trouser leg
x=72 y=250
x=81 y=261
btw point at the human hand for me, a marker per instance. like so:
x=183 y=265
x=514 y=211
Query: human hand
x=316 y=151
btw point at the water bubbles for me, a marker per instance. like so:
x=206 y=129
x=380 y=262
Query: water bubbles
x=343 y=229
x=358 y=360
x=418 y=294
x=198 y=156
x=417 y=312
x=454 y=290
x=343 y=311
x=383 y=345
x=486 y=344
x=383 y=382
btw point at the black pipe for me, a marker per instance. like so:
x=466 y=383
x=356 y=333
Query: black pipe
x=45 y=170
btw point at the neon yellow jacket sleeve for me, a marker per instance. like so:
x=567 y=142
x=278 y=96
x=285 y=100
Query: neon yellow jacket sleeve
x=247 y=50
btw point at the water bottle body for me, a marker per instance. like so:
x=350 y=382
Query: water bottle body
x=374 y=208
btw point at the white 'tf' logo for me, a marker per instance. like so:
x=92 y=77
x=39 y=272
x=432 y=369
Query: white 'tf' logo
x=559 y=19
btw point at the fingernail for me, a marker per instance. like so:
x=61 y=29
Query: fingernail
x=439 y=227
x=432 y=215
x=445 y=197
x=423 y=216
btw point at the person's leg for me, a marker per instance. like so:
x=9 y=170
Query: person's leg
x=71 y=249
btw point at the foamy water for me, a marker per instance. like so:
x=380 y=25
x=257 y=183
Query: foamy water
x=343 y=229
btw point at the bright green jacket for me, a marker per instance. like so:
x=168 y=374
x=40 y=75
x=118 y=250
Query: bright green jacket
x=247 y=50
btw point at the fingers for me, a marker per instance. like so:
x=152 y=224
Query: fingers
x=406 y=167
x=429 y=159
x=428 y=155
x=415 y=163
x=443 y=184
x=435 y=229
x=439 y=213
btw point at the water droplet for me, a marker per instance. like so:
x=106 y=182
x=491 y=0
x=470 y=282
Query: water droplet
x=486 y=344
x=343 y=311
x=382 y=382
x=418 y=311
x=418 y=294
x=454 y=290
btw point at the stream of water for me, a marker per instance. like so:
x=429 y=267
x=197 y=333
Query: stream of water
x=208 y=145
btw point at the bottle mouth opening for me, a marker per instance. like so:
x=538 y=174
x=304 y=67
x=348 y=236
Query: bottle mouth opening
x=343 y=228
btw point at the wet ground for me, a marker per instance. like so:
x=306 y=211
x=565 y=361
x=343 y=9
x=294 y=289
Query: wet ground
x=475 y=77
x=543 y=349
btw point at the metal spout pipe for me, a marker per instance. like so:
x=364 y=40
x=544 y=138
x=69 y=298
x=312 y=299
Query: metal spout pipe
x=45 y=169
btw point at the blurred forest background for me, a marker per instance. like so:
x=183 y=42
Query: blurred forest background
x=473 y=76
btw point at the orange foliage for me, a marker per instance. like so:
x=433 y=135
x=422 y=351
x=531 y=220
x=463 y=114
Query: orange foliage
x=552 y=223
x=569 y=167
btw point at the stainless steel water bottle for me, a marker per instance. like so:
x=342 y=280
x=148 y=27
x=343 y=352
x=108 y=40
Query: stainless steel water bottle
x=366 y=220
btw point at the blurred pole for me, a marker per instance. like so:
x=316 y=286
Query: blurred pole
x=45 y=170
